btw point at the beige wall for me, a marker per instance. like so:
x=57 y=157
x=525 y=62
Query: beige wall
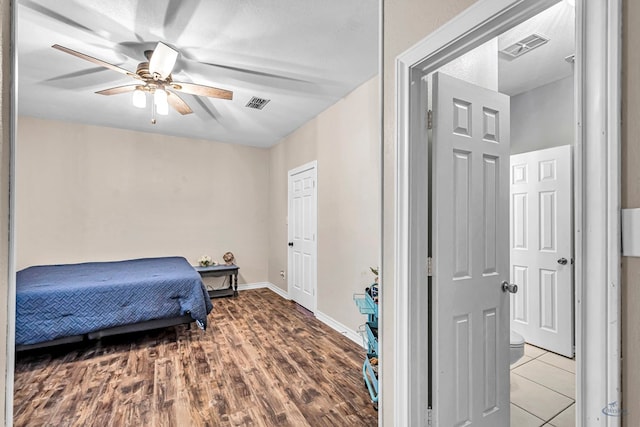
x=88 y=193
x=297 y=149
x=631 y=199
x=344 y=139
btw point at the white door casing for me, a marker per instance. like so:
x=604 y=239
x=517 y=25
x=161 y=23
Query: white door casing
x=470 y=254
x=302 y=230
x=541 y=248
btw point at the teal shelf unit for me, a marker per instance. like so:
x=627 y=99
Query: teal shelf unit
x=367 y=306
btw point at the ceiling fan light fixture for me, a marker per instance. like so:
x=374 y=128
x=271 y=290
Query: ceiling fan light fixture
x=163 y=110
x=139 y=98
x=160 y=99
x=162 y=61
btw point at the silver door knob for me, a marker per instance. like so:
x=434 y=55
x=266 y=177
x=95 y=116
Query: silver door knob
x=562 y=261
x=509 y=287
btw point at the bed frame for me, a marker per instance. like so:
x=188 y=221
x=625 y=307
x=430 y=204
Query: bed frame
x=117 y=330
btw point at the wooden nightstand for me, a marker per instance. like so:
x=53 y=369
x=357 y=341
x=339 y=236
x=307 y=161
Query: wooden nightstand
x=220 y=271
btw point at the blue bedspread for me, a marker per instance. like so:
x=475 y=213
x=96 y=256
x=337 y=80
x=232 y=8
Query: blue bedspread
x=56 y=301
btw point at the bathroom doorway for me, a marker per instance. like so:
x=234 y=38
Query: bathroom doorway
x=533 y=65
x=414 y=66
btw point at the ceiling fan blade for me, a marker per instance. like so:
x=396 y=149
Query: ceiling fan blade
x=202 y=90
x=95 y=60
x=162 y=60
x=178 y=103
x=255 y=72
x=50 y=13
x=118 y=90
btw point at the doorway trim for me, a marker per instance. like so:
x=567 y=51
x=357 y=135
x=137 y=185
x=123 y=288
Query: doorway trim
x=313 y=165
x=597 y=233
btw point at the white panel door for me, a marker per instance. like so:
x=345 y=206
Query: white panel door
x=470 y=254
x=302 y=235
x=541 y=248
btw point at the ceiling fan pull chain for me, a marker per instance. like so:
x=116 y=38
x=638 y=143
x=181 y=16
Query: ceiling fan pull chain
x=153 y=113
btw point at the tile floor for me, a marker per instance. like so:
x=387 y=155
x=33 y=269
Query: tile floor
x=543 y=390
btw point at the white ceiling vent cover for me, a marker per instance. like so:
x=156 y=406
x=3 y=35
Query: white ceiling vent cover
x=257 y=103
x=525 y=45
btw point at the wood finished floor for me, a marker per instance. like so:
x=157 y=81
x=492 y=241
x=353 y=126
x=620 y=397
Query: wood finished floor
x=261 y=362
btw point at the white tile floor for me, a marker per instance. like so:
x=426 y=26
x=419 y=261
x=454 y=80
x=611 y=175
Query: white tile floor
x=543 y=390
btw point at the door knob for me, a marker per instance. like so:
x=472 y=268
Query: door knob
x=290 y=243
x=509 y=287
x=562 y=261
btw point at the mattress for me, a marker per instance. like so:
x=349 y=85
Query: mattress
x=55 y=301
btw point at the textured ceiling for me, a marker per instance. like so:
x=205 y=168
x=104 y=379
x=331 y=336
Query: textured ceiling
x=546 y=63
x=303 y=55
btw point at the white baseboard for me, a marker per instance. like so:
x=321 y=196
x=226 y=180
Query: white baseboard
x=259 y=285
x=284 y=294
x=334 y=324
x=327 y=320
x=256 y=285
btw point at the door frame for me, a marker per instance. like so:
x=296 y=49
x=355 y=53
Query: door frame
x=597 y=234
x=313 y=165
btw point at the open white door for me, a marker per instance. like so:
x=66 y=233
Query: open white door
x=302 y=235
x=470 y=254
x=541 y=255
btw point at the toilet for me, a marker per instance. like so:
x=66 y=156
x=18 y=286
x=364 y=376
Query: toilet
x=516 y=347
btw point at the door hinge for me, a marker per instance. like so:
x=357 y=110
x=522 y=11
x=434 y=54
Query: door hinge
x=429 y=119
x=429 y=266
x=429 y=416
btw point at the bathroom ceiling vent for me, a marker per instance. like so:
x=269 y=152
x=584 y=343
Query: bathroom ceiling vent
x=525 y=45
x=257 y=103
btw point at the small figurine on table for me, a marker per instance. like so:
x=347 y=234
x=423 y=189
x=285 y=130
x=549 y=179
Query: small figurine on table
x=228 y=258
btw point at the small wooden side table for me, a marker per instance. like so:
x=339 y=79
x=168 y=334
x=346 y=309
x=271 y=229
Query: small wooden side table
x=220 y=271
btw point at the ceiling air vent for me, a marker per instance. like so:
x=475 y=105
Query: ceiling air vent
x=525 y=45
x=257 y=103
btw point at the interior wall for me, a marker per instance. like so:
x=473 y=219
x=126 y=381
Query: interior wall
x=405 y=23
x=89 y=193
x=295 y=150
x=630 y=199
x=543 y=117
x=345 y=140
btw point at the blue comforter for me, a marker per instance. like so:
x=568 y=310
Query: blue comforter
x=56 y=301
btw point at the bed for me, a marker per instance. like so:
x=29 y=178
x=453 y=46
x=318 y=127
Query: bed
x=58 y=304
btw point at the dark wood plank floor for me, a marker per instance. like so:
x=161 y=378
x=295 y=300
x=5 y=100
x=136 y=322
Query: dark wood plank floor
x=261 y=362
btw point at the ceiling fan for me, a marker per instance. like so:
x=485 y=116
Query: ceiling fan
x=154 y=77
